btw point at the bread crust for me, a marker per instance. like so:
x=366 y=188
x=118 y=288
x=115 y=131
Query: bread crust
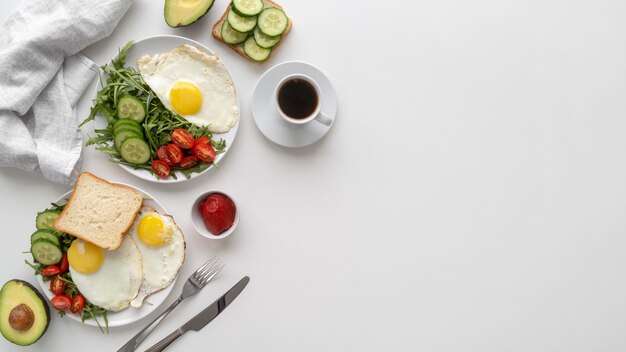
x=238 y=48
x=69 y=202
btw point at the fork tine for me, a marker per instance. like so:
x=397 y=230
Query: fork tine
x=202 y=269
x=208 y=276
x=207 y=271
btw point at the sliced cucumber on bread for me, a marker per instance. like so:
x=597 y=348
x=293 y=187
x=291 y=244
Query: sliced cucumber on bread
x=240 y=23
x=254 y=51
x=264 y=40
x=273 y=21
x=247 y=7
x=231 y=36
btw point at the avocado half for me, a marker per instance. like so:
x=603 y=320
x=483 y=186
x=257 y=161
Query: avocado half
x=180 y=13
x=24 y=313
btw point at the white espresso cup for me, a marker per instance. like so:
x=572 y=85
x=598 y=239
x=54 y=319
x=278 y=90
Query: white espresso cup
x=316 y=114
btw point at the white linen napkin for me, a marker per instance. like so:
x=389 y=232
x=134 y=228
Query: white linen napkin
x=42 y=76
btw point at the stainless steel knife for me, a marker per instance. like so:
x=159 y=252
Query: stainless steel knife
x=203 y=318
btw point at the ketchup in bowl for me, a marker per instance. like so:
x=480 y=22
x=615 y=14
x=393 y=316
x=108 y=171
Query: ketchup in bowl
x=218 y=213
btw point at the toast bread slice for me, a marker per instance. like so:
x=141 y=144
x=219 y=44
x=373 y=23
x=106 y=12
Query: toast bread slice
x=99 y=212
x=238 y=48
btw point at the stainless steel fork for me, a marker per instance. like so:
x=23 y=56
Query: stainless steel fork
x=194 y=284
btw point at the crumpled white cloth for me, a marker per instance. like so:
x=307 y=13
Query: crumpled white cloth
x=42 y=76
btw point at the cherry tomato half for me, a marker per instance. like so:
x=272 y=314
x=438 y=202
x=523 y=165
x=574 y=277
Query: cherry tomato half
x=174 y=153
x=205 y=152
x=200 y=140
x=162 y=155
x=57 y=286
x=65 y=264
x=61 y=302
x=189 y=161
x=51 y=270
x=182 y=138
x=161 y=168
x=78 y=302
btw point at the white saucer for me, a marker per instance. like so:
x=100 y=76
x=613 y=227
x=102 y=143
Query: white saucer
x=272 y=125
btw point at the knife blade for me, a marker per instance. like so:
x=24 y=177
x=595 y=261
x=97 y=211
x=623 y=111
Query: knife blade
x=204 y=317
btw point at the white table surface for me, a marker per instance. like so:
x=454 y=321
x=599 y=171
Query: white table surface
x=471 y=196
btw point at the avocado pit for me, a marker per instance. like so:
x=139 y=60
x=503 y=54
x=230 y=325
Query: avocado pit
x=21 y=317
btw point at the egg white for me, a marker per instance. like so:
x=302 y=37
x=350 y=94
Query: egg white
x=187 y=63
x=116 y=282
x=160 y=264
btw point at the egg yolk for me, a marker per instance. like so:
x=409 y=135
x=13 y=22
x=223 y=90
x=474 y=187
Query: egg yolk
x=85 y=257
x=152 y=231
x=186 y=98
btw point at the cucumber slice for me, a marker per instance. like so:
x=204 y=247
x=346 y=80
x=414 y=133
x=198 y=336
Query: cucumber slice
x=254 y=51
x=123 y=135
x=46 y=252
x=47 y=234
x=240 y=23
x=126 y=123
x=273 y=21
x=247 y=7
x=231 y=36
x=45 y=219
x=138 y=130
x=129 y=107
x=135 y=150
x=263 y=40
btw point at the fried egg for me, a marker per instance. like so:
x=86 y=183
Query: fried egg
x=194 y=85
x=107 y=278
x=162 y=247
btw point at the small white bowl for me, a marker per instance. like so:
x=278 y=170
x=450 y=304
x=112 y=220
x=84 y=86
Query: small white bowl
x=198 y=222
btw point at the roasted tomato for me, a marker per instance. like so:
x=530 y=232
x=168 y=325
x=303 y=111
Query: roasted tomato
x=61 y=302
x=57 y=286
x=51 y=270
x=205 y=152
x=162 y=154
x=161 y=168
x=78 y=302
x=189 y=161
x=174 y=153
x=64 y=265
x=182 y=138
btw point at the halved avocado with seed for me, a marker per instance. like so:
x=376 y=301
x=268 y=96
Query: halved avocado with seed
x=24 y=313
x=180 y=13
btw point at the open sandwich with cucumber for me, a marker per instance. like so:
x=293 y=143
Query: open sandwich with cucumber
x=253 y=28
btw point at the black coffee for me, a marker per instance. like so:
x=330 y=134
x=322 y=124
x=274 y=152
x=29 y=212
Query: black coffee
x=297 y=98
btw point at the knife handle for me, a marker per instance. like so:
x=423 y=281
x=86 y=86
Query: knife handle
x=161 y=345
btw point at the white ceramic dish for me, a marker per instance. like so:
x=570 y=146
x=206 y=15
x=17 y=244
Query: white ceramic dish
x=128 y=315
x=272 y=125
x=155 y=45
x=198 y=223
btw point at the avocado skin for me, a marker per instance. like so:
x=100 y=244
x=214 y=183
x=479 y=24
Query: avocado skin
x=175 y=25
x=43 y=301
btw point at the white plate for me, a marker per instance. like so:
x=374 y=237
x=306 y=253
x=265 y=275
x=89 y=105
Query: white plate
x=272 y=125
x=156 y=45
x=130 y=314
